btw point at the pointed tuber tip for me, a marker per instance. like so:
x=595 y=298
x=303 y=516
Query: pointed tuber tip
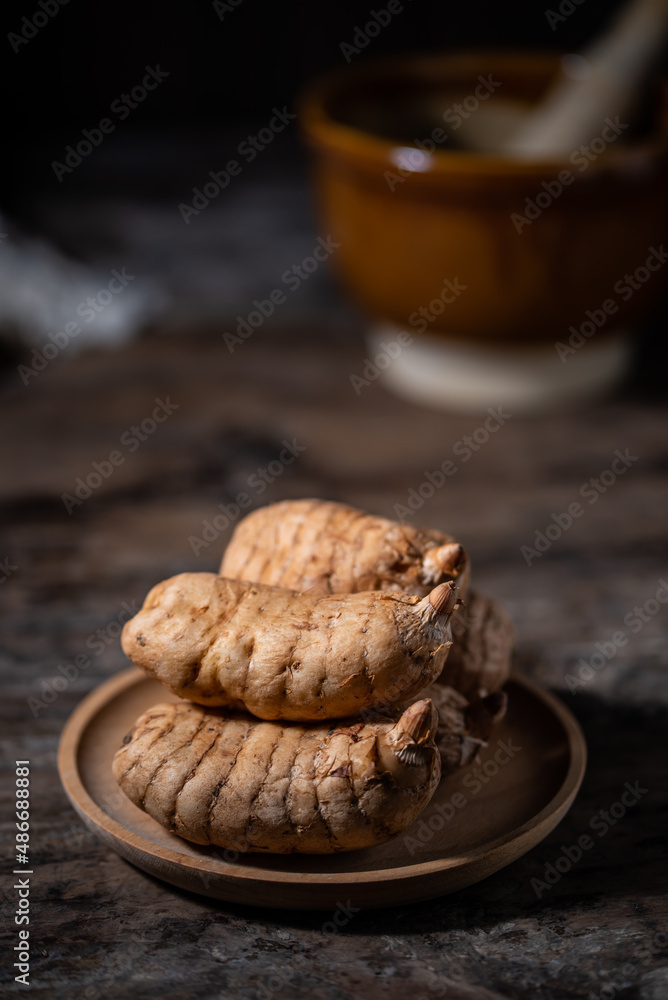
x=450 y=558
x=420 y=721
x=443 y=598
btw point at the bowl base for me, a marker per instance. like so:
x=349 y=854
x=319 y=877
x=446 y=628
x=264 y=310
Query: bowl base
x=466 y=377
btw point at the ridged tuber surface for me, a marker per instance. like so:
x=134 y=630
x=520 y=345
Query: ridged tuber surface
x=480 y=659
x=304 y=544
x=282 y=655
x=300 y=544
x=216 y=777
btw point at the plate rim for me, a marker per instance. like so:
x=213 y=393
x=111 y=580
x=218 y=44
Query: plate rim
x=86 y=807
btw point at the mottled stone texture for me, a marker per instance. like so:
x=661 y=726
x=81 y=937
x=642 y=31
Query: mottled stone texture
x=100 y=928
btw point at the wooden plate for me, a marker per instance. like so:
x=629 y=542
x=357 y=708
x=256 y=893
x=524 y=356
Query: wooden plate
x=480 y=819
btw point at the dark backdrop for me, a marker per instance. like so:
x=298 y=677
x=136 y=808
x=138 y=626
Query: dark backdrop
x=225 y=70
x=226 y=73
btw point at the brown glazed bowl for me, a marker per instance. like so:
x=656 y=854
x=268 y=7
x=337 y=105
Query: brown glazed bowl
x=455 y=214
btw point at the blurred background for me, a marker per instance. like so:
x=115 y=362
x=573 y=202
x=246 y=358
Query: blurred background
x=225 y=69
x=141 y=418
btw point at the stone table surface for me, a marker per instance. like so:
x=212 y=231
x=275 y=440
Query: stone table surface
x=101 y=928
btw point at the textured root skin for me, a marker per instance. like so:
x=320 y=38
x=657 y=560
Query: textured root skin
x=216 y=777
x=304 y=544
x=278 y=654
x=464 y=727
x=480 y=659
x=327 y=547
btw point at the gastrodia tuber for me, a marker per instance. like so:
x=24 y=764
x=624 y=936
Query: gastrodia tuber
x=216 y=777
x=283 y=655
x=304 y=544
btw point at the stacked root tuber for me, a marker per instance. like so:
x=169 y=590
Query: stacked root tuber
x=318 y=655
x=249 y=785
x=315 y=544
x=284 y=655
x=318 y=546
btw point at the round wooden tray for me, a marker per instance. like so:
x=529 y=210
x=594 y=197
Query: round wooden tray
x=481 y=818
